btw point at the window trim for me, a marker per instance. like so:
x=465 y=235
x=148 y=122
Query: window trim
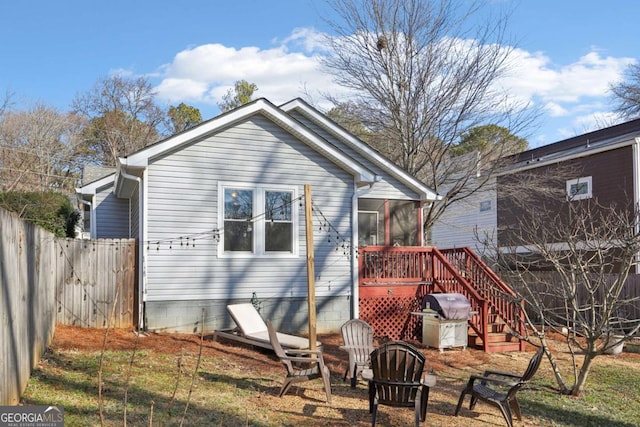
x=259 y=227
x=582 y=180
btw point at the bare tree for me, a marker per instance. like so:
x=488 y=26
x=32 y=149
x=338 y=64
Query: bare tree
x=422 y=75
x=5 y=104
x=569 y=260
x=38 y=149
x=123 y=117
x=626 y=94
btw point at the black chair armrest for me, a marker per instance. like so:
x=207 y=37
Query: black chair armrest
x=492 y=380
x=500 y=374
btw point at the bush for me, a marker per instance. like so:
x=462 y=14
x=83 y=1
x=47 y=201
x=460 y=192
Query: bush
x=49 y=210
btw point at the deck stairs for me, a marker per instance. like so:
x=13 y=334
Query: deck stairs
x=393 y=278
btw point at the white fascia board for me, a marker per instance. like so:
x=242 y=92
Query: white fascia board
x=141 y=158
x=425 y=192
x=92 y=187
x=559 y=157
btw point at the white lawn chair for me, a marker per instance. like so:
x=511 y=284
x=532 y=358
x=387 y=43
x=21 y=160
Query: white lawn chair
x=251 y=329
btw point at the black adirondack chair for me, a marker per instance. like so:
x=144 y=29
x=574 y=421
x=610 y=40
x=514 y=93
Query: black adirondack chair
x=397 y=372
x=500 y=388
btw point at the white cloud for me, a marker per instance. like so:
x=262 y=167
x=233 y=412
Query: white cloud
x=203 y=74
x=555 y=110
x=309 y=38
x=595 y=120
x=533 y=75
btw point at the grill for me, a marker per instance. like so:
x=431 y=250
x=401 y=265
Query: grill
x=448 y=306
x=445 y=320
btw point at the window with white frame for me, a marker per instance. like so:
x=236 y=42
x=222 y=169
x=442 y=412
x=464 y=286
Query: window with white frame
x=579 y=188
x=258 y=220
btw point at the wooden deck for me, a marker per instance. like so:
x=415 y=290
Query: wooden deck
x=394 y=280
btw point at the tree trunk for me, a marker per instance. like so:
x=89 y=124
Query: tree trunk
x=578 y=388
x=554 y=367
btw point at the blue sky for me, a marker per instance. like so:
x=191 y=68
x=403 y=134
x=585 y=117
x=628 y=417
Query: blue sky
x=567 y=52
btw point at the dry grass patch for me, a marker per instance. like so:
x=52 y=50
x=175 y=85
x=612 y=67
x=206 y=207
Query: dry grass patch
x=237 y=385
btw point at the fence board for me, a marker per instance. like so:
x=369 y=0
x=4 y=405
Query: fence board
x=27 y=302
x=45 y=280
x=542 y=281
x=96 y=274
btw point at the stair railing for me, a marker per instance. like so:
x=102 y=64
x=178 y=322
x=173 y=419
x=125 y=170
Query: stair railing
x=447 y=278
x=501 y=299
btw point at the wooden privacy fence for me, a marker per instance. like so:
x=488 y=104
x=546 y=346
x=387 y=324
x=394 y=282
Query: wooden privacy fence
x=44 y=280
x=27 y=302
x=546 y=284
x=95 y=282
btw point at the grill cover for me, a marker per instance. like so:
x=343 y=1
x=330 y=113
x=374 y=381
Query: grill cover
x=448 y=306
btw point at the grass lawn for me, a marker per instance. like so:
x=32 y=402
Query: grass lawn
x=237 y=385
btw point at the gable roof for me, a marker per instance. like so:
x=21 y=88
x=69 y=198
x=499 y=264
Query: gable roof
x=361 y=147
x=140 y=159
x=92 y=188
x=93 y=173
x=605 y=139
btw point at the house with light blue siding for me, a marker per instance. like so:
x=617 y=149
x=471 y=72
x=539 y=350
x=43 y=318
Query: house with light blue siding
x=218 y=211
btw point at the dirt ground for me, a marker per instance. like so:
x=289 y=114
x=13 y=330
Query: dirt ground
x=70 y=337
x=452 y=368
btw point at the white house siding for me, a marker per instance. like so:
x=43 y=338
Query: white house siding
x=465 y=224
x=112 y=214
x=184 y=275
x=388 y=188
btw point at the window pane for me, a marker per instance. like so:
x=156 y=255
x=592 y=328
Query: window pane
x=238 y=236
x=278 y=205
x=404 y=222
x=238 y=209
x=579 y=188
x=367 y=228
x=278 y=237
x=238 y=204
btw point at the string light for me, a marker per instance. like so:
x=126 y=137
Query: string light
x=340 y=241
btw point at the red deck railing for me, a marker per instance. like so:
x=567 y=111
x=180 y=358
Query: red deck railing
x=394 y=280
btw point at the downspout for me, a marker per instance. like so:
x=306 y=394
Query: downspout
x=141 y=249
x=636 y=190
x=355 y=274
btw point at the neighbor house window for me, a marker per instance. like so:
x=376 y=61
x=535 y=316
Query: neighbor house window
x=485 y=206
x=580 y=188
x=258 y=220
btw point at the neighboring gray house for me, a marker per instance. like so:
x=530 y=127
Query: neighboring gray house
x=218 y=211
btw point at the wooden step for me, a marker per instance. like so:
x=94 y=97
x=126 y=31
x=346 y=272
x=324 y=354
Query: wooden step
x=503 y=347
x=496 y=342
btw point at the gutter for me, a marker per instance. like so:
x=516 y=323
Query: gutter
x=355 y=291
x=563 y=156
